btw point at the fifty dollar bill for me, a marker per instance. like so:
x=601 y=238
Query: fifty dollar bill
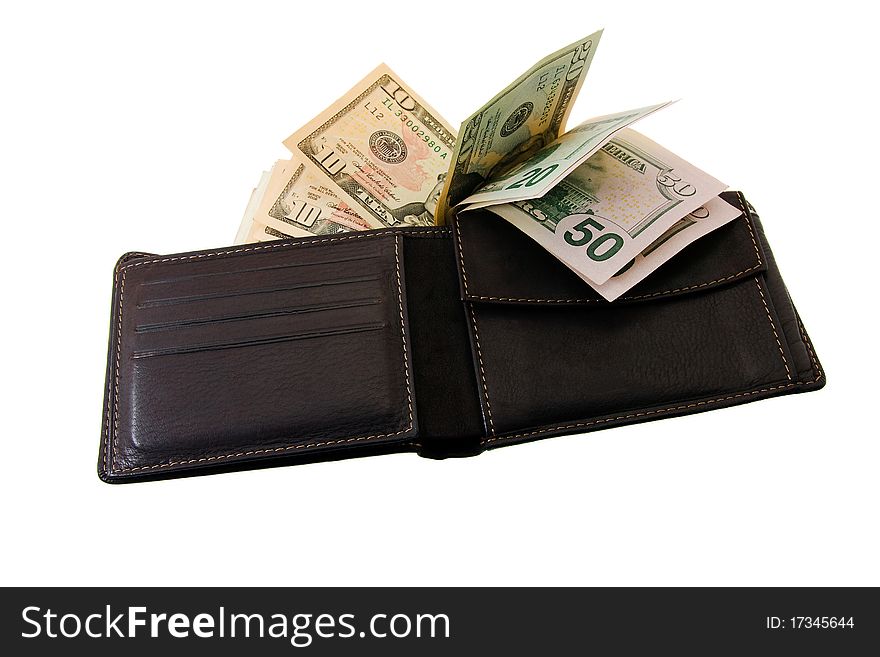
x=711 y=215
x=613 y=206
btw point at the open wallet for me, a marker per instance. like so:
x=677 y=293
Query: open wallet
x=444 y=341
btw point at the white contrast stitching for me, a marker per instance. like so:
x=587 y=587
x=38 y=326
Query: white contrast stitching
x=746 y=216
x=116 y=277
x=482 y=369
x=402 y=329
x=396 y=236
x=461 y=258
x=116 y=375
x=440 y=231
x=285 y=244
x=472 y=314
x=773 y=327
x=817 y=369
x=645 y=413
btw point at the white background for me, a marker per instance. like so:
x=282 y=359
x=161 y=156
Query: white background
x=144 y=126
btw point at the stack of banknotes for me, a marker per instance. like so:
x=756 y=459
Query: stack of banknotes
x=608 y=202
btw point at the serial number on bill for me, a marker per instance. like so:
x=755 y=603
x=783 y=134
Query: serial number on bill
x=810 y=622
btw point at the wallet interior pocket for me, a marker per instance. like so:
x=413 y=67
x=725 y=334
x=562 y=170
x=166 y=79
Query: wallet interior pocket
x=551 y=356
x=258 y=352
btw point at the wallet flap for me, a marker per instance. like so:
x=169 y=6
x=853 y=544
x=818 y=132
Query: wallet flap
x=500 y=264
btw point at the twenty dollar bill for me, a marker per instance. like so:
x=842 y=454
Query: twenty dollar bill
x=543 y=170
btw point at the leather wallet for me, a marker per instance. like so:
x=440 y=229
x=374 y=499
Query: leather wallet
x=444 y=341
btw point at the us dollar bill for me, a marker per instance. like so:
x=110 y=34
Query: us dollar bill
x=247 y=219
x=543 y=170
x=713 y=214
x=262 y=199
x=528 y=114
x=307 y=205
x=300 y=208
x=269 y=187
x=381 y=149
x=613 y=206
x=261 y=233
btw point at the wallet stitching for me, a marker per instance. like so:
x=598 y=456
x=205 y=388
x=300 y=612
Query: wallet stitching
x=817 y=371
x=121 y=283
x=773 y=327
x=473 y=317
x=109 y=388
x=435 y=233
x=482 y=369
x=746 y=215
x=403 y=333
x=290 y=245
x=116 y=373
x=461 y=261
x=127 y=256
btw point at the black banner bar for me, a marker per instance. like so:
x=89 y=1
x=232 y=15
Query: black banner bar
x=437 y=621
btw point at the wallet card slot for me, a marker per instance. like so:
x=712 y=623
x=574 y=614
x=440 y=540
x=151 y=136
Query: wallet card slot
x=168 y=301
x=279 y=312
x=303 y=310
x=259 y=341
x=264 y=269
x=273 y=399
x=257 y=304
x=201 y=279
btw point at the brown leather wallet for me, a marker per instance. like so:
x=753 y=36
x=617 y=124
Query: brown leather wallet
x=443 y=341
